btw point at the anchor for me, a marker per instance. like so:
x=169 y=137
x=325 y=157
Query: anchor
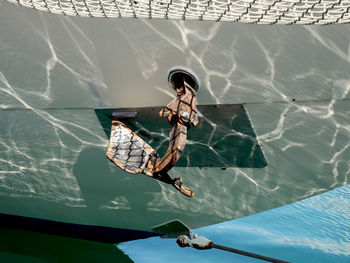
x=132 y=154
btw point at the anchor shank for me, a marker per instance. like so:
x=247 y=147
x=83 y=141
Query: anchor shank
x=177 y=142
x=181 y=113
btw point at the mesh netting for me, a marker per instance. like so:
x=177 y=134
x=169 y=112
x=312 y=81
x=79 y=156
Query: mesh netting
x=246 y=11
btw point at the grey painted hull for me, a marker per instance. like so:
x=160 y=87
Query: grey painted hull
x=54 y=71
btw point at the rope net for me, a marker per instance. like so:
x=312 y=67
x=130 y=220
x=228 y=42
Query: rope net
x=246 y=11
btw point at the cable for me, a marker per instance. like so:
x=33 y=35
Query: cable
x=246 y=253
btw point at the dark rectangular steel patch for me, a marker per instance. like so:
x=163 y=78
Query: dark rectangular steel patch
x=223 y=138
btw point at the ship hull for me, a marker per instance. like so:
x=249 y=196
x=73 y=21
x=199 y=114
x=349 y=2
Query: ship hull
x=55 y=72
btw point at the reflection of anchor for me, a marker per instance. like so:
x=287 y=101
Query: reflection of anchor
x=132 y=154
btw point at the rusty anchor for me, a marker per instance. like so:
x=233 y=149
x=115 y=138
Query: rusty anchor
x=132 y=154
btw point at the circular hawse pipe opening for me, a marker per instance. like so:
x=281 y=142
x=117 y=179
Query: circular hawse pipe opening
x=178 y=73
